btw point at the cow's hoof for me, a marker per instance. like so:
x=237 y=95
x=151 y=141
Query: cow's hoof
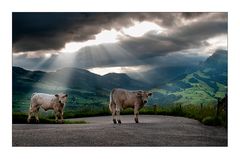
x=136 y=120
x=114 y=121
x=119 y=122
x=28 y=121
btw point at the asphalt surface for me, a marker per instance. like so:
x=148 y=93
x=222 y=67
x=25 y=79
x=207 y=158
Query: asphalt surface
x=153 y=130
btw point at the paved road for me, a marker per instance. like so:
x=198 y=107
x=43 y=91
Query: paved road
x=154 y=130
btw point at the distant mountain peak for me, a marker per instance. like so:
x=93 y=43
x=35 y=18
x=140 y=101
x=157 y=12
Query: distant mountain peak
x=218 y=54
x=76 y=71
x=72 y=69
x=217 y=60
x=220 y=51
x=116 y=74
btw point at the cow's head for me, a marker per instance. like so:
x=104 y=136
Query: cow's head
x=144 y=96
x=62 y=98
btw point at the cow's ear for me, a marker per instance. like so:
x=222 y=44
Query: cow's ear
x=149 y=94
x=56 y=95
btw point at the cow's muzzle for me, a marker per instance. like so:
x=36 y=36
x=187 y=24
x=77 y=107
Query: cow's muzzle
x=145 y=102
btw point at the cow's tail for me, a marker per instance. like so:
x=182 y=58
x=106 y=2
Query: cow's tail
x=30 y=109
x=111 y=102
x=30 y=105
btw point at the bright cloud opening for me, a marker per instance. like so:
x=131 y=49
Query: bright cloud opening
x=215 y=43
x=218 y=42
x=126 y=69
x=48 y=55
x=111 y=36
x=106 y=36
x=140 y=28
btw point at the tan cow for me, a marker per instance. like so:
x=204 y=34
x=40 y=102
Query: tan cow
x=47 y=102
x=122 y=98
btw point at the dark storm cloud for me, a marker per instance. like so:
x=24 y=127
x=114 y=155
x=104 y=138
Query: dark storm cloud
x=50 y=31
x=136 y=51
x=191 y=15
x=181 y=38
x=45 y=32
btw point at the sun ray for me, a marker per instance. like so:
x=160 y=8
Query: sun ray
x=106 y=36
x=138 y=29
x=117 y=55
x=95 y=54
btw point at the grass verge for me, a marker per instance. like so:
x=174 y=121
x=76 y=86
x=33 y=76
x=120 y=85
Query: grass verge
x=21 y=118
x=204 y=114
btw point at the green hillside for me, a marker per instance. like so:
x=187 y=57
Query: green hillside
x=90 y=91
x=203 y=86
x=199 y=92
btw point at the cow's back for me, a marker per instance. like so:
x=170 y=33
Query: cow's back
x=124 y=97
x=43 y=99
x=119 y=94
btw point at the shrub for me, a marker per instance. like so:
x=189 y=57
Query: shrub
x=213 y=121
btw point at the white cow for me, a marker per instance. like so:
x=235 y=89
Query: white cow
x=122 y=98
x=47 y=102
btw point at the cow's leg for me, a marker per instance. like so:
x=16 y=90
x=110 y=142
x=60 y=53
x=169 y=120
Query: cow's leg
x=112 y=108
x=36 y=112
x=36 y=117
x=56 y=115
x=114 y=115
x=61 y=117
x=118 y=114
x=30 y=112
x=136 y=112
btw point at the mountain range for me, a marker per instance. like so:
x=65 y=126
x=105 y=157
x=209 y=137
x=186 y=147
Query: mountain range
x=71 y=78
x=194 y=84
x=202 y=86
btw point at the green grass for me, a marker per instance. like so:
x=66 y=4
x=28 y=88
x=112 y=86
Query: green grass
x=21 y=118
x=200 y=92
x=204 y=114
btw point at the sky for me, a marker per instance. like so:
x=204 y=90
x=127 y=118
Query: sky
x=115 y=42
